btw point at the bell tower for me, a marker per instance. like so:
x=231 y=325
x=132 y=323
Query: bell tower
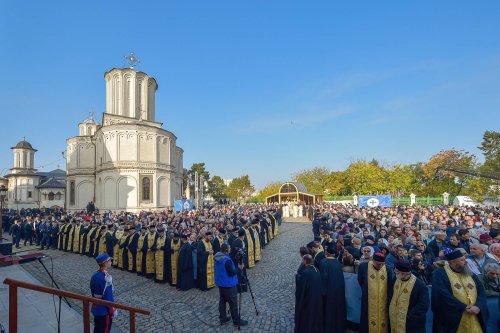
x=24 y=157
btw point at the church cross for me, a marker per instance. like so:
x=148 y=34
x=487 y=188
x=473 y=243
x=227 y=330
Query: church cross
x=372 y=202
x=132 y=60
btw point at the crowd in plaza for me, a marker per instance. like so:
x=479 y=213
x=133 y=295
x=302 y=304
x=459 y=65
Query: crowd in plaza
x=170 y=247
x=395 y=255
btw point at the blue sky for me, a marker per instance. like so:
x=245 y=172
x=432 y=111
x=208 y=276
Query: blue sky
x=265 y=88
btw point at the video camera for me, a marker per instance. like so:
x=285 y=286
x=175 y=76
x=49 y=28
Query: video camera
x=239 y=257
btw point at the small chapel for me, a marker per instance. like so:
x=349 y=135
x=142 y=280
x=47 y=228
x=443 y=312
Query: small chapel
x=128 y=162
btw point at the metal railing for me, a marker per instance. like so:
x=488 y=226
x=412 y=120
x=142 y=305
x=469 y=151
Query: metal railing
x=14 y=285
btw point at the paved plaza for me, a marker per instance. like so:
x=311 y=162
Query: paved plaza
x=272 y=281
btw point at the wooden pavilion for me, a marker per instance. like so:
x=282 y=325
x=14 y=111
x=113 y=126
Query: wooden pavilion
x=294 y=192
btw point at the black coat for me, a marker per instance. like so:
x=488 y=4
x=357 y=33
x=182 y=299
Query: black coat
x=317 y=259
x=308 y=302
x=185 y=278
x=334 y=305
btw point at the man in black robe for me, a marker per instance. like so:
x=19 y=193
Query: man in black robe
x=219 y=240
x=334 y=306
x=308 y=299
x=92 y=237
x=204 y=256
x=317 y=254
x=233 y=236
x=185 y=275
x=449 y=310
x=132 y=248
x=415 y=308
x=111 y=240
x=67 y=234
x=83 y=236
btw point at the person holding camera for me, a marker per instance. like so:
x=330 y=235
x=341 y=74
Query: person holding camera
x=226 y=278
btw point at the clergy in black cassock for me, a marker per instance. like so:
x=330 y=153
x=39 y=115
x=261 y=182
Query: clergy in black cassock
x=132 y=248
x=458 y=299
x=185 y=278
x=111 y=240
x=334 y=306
x=308 y=299
x=317 y=253
x=205 y=263
x=376 y=286
x=219 y=240
x=409 y=301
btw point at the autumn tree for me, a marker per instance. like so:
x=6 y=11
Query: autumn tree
x=268 y=190
x=364 y=178
x=320 y=180
x=442 y=180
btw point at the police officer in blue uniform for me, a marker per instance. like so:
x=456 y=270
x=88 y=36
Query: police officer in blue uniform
x=101 y=286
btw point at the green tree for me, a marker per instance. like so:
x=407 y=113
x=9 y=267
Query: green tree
x=240 y=188
x=200 y=168
x=365 y=178
x=319 y=180
x=217 y=188
x=398 y=180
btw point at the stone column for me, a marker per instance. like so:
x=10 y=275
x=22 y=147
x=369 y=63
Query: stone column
x=412 y=199
x=446 y=198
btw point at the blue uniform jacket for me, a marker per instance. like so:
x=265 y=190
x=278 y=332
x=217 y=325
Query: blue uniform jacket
x=101 y=286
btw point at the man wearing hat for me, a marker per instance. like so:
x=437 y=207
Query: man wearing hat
x=101 y=286
x=376 y=285
x=219 y=240
x=458 y=299
x=185 y=278
x=205 y=253
x=173 y=247
x=334 y=303
x=409 y=301
x=162 y=262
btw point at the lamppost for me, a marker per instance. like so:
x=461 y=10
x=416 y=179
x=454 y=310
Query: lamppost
x=3 y=192
x=5 y=247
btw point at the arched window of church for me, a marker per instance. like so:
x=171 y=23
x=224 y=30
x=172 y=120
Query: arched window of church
x=51 y=196
x=146 y=189
x=72 y=193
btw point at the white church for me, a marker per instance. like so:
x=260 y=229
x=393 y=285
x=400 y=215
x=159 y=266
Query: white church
x=129 y=163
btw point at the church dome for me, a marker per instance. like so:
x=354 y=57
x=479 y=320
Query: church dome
x=23 y=145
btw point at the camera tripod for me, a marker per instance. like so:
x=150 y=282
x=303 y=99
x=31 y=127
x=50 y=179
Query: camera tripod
x=245 y=278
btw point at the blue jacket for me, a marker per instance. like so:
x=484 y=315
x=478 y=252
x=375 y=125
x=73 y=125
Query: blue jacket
x=226 y=275
x=101 y=286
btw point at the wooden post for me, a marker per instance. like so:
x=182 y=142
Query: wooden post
x=132 y=322
x=12 y=309
x=86 y=317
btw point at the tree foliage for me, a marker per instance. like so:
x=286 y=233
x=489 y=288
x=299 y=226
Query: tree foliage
x=216 y=188
x=240 y=188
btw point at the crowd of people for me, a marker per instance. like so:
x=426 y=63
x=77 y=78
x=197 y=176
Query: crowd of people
x=396 y=255
x=170 y=247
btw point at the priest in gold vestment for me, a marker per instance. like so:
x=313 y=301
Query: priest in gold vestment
x=376 y=285
x=458 y=298
x=409 y=301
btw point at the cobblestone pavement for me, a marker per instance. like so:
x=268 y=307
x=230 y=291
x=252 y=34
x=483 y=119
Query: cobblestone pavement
x=272 y=281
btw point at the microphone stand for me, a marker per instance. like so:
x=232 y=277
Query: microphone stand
x=53 y=281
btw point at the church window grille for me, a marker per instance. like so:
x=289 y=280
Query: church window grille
x=51 y=196
x=146 y=189
x=72 y=193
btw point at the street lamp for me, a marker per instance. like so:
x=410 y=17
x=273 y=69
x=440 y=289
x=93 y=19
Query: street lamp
x=3 y=194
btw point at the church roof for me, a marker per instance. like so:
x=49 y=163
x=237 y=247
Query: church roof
x=57 y=173
x=23 y=144
x=90 y=120
x=52 y=183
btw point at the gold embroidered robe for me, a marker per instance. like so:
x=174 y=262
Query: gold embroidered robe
x=378 y=318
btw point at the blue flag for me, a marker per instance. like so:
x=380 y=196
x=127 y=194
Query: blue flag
x=375 y=201
x=181 y=205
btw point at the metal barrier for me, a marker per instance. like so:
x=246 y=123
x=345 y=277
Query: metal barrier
x=15 y=284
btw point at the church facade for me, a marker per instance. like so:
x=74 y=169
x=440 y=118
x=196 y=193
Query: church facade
x=130 y=162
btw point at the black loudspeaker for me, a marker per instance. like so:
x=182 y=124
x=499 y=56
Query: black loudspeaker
x=6 y=248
